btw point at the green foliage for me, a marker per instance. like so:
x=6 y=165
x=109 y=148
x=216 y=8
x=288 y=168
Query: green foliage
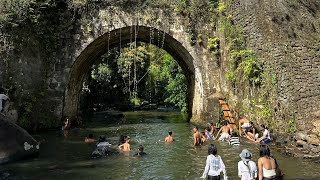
x=182 y=6
x=135 y=101
x=14 y=12
x=213 y=45
x=101 y=72
x=221 y=8
x=199 y=39
x=161 y=80
x=266 y=112
x=231 y=77
x=292 y=126
x=245 y=65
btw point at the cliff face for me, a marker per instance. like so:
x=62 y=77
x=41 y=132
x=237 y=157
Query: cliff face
x=285 y=35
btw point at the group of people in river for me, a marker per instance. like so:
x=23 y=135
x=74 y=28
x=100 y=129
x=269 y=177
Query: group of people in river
x=228 y=133
x=265 y=169
x=268 y=168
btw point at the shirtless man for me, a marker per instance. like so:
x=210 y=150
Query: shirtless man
x=125 y=147
x=169 y=138
x=225 y=132
x=243 y=124
x=196 y=137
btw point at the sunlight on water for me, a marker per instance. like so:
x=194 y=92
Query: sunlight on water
x=70 y=158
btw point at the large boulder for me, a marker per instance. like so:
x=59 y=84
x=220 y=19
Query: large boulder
x=15 y=142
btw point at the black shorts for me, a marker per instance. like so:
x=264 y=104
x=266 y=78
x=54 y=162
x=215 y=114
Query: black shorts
x=214 y=177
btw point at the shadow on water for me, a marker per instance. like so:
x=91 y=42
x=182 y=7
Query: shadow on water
x=69 y=158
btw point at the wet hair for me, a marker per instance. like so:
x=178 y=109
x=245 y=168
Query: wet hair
x=170 y=133
x=212 y=149
x=264 y=126
x=90 y=135
x=211 y=124
x=102 y=139
x=264 y=150
x=225 y=123
x=234 y=134
x=140 y=148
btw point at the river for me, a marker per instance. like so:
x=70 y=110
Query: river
x=69 y=158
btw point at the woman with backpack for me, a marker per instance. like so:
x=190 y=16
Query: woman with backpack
x=247 y=169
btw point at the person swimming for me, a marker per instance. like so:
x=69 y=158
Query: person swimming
x=169 y=138
x=89 y=139
x=140 y=151
x=102 y=149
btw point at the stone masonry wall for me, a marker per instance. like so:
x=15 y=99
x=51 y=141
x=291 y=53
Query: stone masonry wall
x=285 y=36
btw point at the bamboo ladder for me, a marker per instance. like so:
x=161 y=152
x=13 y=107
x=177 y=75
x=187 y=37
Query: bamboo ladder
x=227 y=113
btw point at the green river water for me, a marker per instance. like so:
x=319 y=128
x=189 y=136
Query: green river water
x=69 y=158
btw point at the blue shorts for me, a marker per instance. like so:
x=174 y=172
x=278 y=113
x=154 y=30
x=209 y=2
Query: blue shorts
x=266 y=140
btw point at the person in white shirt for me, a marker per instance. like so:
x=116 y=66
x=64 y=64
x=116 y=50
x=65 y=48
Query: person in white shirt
x=214 y=165
x=265 y=136
x=247 y=169
x=3 y=98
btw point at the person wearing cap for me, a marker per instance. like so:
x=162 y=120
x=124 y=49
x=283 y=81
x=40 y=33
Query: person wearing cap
x=169 y=138
x=214 y=165
x=247 y=169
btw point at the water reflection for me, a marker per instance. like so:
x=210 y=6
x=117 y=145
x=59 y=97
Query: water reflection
x=70 y=158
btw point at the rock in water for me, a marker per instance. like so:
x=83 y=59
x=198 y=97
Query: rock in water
x=15 y=142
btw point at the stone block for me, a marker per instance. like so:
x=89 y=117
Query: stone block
x=301 y=143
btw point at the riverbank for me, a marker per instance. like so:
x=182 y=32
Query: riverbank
x=300 y=144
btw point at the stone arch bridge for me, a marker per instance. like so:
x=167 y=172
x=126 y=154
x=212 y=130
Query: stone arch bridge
x=108 y=30
x=51 y=64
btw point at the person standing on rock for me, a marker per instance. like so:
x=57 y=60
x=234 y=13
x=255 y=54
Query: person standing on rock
x=3 y=99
